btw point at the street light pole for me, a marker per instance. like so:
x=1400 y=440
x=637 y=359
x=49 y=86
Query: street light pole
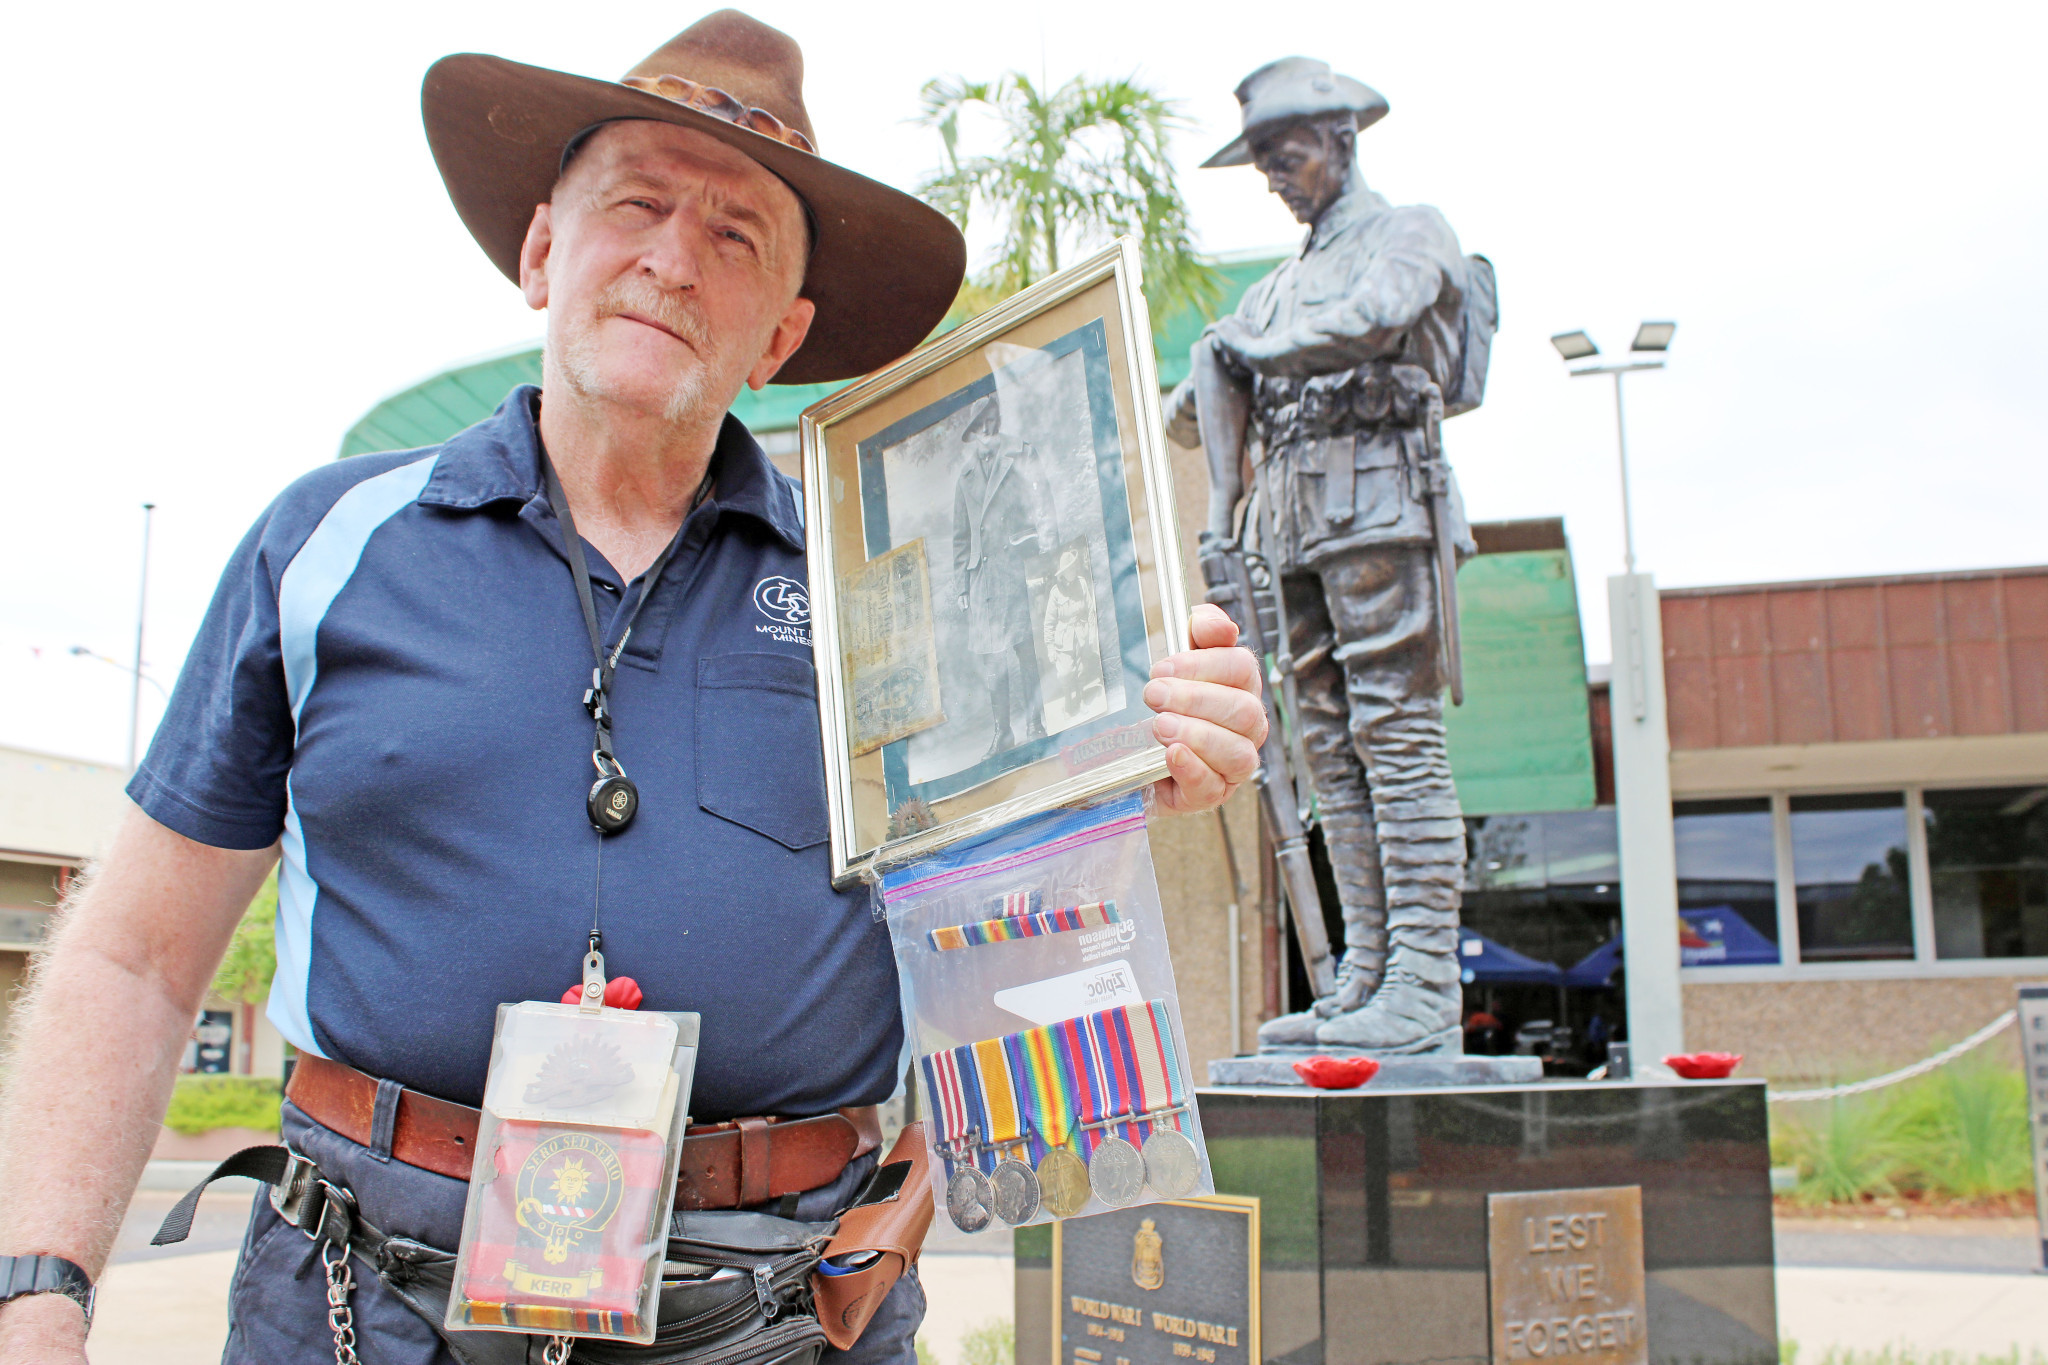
x=1628 y=520
x=141 y=619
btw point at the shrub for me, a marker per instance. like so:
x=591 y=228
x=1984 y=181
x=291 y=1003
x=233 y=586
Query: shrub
x=1848 y=1151
x=1964 y=1131
x=202 y=1103
x=992 y=1343
x=1959 y=1132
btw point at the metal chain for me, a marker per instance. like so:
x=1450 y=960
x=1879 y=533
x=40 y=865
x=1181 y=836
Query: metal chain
x=556 y=1352
x=340 y=1316
x=1920 y=1068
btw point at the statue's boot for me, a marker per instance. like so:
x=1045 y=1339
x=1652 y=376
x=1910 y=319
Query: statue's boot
x=1419 y=1005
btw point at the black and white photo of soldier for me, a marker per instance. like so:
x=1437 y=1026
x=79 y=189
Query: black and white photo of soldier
x=1069 y=638
x=1002 y=518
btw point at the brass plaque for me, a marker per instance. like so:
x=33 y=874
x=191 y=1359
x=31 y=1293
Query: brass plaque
x=1173 y=1283
x=1566 y=1272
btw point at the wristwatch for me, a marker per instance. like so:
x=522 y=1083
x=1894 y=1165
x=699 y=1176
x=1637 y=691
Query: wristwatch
x=24 y=1275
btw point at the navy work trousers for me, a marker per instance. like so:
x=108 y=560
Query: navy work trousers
x=277 y=1309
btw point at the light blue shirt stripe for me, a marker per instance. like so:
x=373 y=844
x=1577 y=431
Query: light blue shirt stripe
x=311 y=582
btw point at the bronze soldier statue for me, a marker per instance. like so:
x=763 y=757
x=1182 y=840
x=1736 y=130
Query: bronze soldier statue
x=1328 y=384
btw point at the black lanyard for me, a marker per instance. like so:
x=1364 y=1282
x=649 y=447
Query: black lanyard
x=613 y=799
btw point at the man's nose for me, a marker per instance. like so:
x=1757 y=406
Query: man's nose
x=673 y=256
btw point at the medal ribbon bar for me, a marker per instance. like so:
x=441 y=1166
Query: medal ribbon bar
x=1010 y=927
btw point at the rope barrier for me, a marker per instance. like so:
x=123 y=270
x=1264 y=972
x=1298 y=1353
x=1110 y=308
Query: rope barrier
x=1920 y=1068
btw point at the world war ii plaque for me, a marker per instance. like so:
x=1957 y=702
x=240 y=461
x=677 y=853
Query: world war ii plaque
x=1566 y=1272
x=1162 y=1284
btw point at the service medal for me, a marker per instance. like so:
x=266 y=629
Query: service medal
x=1116 y=1173
x=969 y=1197
x=1016 y=1191
x=1172 y=1166
x=1063 y=1182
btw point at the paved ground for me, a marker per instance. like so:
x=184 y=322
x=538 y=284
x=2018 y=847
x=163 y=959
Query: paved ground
x=1933 y=1284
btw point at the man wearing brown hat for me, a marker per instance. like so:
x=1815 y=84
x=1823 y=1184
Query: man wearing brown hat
x=393 y=700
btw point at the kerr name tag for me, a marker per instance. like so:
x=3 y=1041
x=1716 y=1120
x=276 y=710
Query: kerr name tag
x=1566 y=1272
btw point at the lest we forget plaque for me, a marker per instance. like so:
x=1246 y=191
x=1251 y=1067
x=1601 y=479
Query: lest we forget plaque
x=1565 y=1271
x=1163 y=1284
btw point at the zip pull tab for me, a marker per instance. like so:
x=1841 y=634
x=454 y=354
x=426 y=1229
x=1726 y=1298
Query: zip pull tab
x=762 y=1286
x=593 y=979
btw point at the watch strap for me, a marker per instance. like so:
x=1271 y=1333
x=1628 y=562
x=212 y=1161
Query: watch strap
x=24 y=1275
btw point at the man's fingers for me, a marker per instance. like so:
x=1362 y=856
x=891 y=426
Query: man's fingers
x=1194 y=785
x=1231 y=755
x=1228 y=667
x=1225 y=705
x=1210 y=627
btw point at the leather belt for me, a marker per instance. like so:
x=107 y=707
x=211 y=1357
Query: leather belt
x=724 y=1165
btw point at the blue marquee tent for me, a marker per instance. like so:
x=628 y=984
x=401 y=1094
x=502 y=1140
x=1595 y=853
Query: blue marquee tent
x=1483 y=960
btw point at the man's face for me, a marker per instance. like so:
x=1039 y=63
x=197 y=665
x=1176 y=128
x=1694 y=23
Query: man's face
x=1306 y=165
x=987 y=440
x=669 y=266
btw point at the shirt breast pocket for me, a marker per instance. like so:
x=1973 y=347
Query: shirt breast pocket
x=760 y=763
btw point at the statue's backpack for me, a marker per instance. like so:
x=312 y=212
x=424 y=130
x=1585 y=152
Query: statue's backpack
x=1477 y=322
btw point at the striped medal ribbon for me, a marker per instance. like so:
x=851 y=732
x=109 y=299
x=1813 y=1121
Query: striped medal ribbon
x=1014 y=1182
x=952 y=1082
x=1048 y=1084
x=1140 y=1064
x=1011 y=904
x=1011 y=927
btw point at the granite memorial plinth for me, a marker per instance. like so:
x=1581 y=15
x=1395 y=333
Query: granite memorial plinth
x=1609 y=1223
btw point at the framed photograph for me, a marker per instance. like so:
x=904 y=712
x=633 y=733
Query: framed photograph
x=994 y=566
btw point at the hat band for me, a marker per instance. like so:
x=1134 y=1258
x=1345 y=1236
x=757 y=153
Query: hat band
x=709 y=99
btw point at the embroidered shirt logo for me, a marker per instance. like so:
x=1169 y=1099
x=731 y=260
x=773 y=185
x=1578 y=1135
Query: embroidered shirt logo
x=787 y=605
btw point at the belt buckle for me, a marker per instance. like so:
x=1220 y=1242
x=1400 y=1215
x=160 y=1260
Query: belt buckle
x=288 y=1195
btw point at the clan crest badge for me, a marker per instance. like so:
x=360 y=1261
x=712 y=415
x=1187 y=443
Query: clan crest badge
x=569 y=1186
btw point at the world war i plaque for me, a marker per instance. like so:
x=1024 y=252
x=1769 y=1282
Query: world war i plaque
x=1162 y=1284
x=1566 y=1272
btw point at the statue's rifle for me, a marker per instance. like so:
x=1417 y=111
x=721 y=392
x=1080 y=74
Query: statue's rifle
x=1243 y=584
x=1436 y=482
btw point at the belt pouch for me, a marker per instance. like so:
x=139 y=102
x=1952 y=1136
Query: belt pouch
x=1340 y=478
x=893 y=1227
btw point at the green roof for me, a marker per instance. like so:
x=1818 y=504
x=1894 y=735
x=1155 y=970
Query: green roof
x=437 y=407
x=1523 y=740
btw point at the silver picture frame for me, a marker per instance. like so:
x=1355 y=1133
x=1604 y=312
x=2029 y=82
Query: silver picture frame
x=1025 y=451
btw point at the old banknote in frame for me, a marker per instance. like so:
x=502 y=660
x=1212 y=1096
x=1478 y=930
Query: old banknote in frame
x=994 y=567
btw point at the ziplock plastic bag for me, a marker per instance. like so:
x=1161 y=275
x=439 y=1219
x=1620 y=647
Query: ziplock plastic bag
x=575 y=1176
x=1039 y=997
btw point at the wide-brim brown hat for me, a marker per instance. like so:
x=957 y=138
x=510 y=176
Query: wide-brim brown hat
x=1295 y=90
x=884 y=267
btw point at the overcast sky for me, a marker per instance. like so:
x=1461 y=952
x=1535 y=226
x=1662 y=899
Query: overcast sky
x=226 y=240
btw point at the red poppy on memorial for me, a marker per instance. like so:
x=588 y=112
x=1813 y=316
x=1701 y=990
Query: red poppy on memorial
x=1704 y=1066
x=1337 y=1073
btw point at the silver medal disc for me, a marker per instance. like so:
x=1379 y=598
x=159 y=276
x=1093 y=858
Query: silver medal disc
x=1116 y=1173
x=968 y=1199
x=1016 y=1191
x=1172 y=1166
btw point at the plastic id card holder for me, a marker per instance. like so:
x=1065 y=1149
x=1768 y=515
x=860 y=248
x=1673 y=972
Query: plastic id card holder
x=575 y=1173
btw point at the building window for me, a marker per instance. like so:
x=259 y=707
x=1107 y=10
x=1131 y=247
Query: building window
x=1849 y=866
x=1987 y=859
x=1727 y=882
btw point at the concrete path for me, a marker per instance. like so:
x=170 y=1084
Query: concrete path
x=1866 y=1310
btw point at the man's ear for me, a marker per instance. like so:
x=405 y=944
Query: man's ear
x=789 y=334
x=533 y=257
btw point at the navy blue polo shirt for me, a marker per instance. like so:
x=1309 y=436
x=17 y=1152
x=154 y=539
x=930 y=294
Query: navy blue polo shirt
x=389 y=681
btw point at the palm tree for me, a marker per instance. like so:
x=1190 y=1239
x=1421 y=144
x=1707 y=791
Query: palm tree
x=1077 y=167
